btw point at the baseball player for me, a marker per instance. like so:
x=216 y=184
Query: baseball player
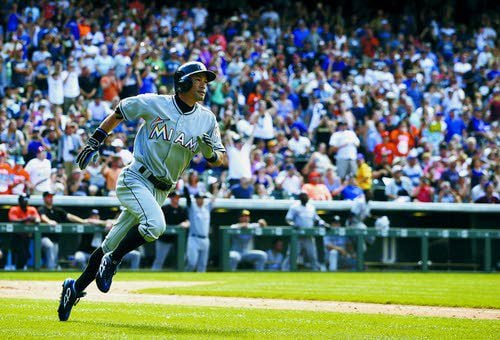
x=198 y=243
x=175 y=128
x=303 y=215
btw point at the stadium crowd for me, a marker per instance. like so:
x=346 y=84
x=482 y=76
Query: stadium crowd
x=396 y=108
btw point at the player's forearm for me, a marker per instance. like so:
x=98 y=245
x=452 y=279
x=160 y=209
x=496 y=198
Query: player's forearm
x=111 y=122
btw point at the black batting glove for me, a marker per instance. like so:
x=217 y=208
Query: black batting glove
x=91 y=148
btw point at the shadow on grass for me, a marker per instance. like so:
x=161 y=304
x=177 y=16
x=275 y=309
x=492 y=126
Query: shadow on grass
x=160 y=329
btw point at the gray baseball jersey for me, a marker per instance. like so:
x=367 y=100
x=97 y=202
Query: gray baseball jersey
x=168 y=134
x=165 y=144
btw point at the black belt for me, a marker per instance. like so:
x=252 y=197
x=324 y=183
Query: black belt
x=156 y=182
x=198 y=236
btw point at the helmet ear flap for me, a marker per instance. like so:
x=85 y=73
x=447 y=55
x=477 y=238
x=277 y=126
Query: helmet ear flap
x=185 y=84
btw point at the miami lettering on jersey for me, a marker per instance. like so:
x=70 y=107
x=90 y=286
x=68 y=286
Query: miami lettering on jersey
x=160 y=130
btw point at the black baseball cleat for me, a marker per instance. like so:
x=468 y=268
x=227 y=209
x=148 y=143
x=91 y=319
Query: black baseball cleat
x=104 y=276
x=69 y=298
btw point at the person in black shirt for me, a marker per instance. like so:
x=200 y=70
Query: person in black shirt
x=88 y=84
x=175 y=215
x=53 y=216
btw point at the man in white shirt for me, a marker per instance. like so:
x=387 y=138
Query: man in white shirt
x=98 y=110
x=39 y=169
x=238 y=156
x=263 y=118
x=290 y=180
x=71 y=86
x=104 y=61
x=345 y=144
x=298 y=144
x=121 y=151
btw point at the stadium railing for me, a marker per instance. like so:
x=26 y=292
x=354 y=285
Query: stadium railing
x=71 y=228
x=361 y=235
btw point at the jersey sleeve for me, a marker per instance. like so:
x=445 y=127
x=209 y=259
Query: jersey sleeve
x=137 y=107
x=215 y=136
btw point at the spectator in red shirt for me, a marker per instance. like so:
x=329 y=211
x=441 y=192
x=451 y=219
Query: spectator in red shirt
x=402 y=139
x=386 y=148
x=20 y=241
x=316 y=189
x=369 y=43
x=424 y=192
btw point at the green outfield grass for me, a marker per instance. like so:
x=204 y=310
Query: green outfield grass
x=35 y=318
x=432 y=289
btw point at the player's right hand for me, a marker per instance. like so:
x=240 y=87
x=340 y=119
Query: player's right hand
x=88 y=154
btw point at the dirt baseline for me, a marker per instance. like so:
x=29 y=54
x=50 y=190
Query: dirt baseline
x=123 y=292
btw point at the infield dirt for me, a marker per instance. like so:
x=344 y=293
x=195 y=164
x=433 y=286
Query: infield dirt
x=125 y=292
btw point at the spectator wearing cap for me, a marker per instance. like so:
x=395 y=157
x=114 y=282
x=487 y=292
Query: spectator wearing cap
x=316 y=189
x=131 y=82
x=399 y=187
x=339 y=250
x=412 y=169
x=89 y=242
x=385 y=149
x=39 y=170
x=198 y=244
x=302 y=215
x=447 y=194
x=53 y=215
x=121 y=151
x=175 y=216
x=242 y=245
x=25 y=214
x=34 y=144
x=350 y=190
x=275 y=256
x=290 y=180
x=363 y=178
x=344 y=144
x=193 y=183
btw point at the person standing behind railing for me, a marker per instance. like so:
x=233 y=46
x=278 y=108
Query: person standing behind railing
x=242 y=244
x=302 y=215
x=22 y=213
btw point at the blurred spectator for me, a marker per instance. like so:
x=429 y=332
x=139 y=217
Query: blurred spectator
x=238 y=155
x=316 y=189
x=242 y=247
x=339 y=250
x=175 y=215
x=447 y=194
x=290 y=180
x=344 y=144
x=424 y=192
x=363 y=177
x=490 y=195
x=53 y=216
x=275 y=256
x=39 y=170
x=399 y=188
x=302 y=215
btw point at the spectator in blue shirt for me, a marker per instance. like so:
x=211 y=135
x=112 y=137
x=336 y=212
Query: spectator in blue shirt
x=351 y=190
x=244 y=189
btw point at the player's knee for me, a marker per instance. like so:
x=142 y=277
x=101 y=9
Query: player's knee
x=235 y=256
x=154 y=229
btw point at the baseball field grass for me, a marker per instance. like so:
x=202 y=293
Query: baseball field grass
x=23 y=318
x=36 y=318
